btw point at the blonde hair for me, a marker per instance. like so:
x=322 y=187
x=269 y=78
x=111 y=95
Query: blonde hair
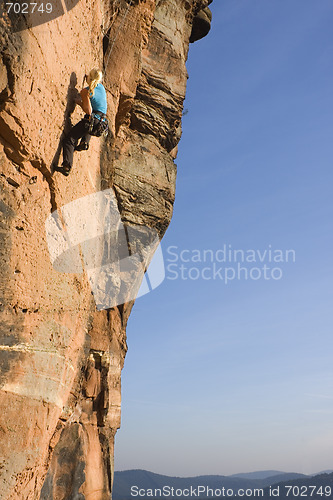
x=94 y=78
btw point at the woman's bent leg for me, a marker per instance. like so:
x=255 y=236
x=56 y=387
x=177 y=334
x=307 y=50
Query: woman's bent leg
x=84 y=143
x=71 y=141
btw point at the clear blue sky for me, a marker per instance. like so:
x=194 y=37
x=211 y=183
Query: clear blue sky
x=226 y=378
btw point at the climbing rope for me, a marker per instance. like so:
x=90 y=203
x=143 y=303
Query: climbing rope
x=117 y=33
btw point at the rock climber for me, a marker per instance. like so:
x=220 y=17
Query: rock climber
x=93 y=102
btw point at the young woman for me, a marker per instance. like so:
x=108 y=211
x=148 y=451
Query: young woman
x=93 y=102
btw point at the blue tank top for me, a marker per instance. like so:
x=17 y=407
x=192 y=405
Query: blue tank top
x=98 y=100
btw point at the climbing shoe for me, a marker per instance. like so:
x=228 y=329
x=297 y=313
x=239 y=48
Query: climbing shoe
x=64 y=169
x=83 y=146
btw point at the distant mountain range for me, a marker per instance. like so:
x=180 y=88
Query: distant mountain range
x=143 y=484
x=263 y=474
x=260 y=474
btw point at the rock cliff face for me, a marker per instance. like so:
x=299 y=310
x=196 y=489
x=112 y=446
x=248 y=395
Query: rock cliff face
x=61 y=358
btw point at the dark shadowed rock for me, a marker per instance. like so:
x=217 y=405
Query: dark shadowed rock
x=201 y=24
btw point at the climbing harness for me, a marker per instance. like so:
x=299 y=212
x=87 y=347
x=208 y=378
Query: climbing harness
x=96 y=124
x=117 y=33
